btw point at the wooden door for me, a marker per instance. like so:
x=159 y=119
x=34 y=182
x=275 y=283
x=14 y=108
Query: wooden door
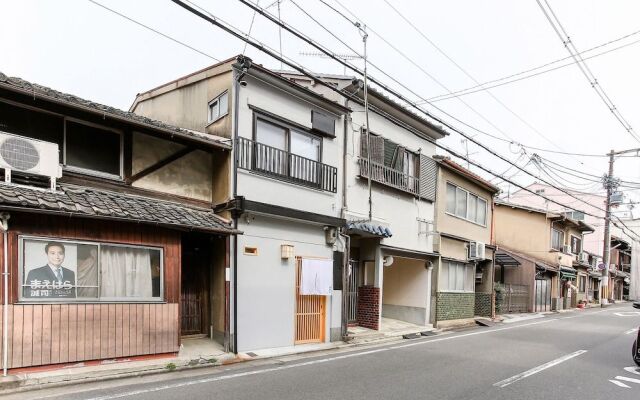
x=310 y=314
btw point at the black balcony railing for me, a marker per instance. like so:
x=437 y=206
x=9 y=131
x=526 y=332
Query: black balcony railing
x=286 y=166
x=389 y=176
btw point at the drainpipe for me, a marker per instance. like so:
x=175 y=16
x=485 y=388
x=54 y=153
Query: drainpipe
x=4 y=220
x=346 y=265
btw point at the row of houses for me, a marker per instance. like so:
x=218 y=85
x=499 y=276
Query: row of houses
x=252 y=208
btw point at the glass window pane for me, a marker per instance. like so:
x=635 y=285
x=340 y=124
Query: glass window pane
x=271 y=135
x=481 y=216
x=472 y=207
x=305 y=146
x=103 y=153
x=223 y=109
x=452 y=276
x=214 y=110
x=469 y=279
x=461 y=203
x=451 y=198
x=459 y=277
x=128 y=272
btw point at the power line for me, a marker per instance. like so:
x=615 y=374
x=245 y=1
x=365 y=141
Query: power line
x=298 y=67
x=584 y=68
x=328 y=52
x=505 y=80
x=155 y=31
x=424 y=101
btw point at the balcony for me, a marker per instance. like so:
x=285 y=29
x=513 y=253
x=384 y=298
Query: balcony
x=389 y=177
x=282 y=165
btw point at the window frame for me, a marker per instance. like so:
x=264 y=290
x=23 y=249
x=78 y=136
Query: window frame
x=87 y=171
x=579 y=239
x=561 y=240
x=220 y=115
x=88 y=300
x=468 y=193
x=465 y=275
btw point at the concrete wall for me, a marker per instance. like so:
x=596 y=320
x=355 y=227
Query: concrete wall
x=266 y=282
x=189 y=176
x=404 y=291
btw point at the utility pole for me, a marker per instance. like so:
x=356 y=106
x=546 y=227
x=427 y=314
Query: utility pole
x=610 y=183
x=363 y=33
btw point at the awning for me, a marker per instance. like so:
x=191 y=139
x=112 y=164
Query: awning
x=545 y=267
x=567 y=275
x=366 y=229
x=506 y=260
x=595 y=274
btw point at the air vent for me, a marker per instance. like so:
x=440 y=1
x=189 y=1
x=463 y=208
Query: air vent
x=20 y=154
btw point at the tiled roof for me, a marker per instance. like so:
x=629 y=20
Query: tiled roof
x=48 y=93
x=370 y=229
x=94 y=203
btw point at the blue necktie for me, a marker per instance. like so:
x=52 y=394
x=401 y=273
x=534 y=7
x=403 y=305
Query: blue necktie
x=59 y=275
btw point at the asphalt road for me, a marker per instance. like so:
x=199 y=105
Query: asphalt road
x=576 y=355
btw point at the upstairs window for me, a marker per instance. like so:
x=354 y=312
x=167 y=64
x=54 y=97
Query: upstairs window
x=466 y=205
x=576 y=245
x=557 y=239
x=219 y=107
x=92 y=148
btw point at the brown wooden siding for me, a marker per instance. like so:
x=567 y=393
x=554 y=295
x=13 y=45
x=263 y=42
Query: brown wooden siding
x=41 y=334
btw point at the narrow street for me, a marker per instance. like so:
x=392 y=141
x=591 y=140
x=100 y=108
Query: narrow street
x=581 y=355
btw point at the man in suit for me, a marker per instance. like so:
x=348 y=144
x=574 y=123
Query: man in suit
x=52 y=280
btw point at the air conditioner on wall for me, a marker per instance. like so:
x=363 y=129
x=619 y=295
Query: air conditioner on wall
x=476 y=251
x=584 y=258
x=566 y=249
x=29 y=156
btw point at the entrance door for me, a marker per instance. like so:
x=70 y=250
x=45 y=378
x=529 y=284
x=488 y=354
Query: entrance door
x=351 y=292
x=195 y=278
x=310 y=313
x=543 y=295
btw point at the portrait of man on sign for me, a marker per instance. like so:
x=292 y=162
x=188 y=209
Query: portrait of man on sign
x=51 y=280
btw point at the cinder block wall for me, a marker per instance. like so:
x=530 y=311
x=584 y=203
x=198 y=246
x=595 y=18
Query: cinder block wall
x=455 y=305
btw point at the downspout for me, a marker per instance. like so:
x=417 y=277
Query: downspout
x=236 y=109
x=493 y=261
x=346 y=263
x=5 y=290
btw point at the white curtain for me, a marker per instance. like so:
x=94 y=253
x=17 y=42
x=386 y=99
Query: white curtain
x=317 y=277
x=125 y=272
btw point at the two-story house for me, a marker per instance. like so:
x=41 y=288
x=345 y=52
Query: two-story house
x=283 y=189
x=110 y=245
x=619 y=268
x=389 y=180
x=463 y=285
x=536 y=257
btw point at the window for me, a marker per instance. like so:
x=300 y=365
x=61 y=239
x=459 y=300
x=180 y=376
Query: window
x=64 y=270
x=457 y=277
x=286 y=151
x=576 y=245
x=92 y=148
x=218 y=107
x=466 y=205
x=557 y=239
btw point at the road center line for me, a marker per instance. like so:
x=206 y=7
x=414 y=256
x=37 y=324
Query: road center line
x=624 y=378
x=539 y=368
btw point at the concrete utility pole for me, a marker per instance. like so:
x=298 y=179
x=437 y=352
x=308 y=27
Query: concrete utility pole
x=610 y=183
x=365 y=36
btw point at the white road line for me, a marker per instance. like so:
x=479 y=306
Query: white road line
x=539 y=368
x=619 y=384
x=633 y=370
x=624 y=378
x=630 y=331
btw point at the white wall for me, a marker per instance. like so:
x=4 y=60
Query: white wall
x=397 y=210
x=276 y=192
x=266 y=282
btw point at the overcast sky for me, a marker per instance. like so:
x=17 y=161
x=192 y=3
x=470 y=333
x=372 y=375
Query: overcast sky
x=78 y=47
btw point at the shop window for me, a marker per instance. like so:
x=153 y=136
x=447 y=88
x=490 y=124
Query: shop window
x=69 y=271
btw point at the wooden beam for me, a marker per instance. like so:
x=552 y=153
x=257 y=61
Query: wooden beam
x=154 y=167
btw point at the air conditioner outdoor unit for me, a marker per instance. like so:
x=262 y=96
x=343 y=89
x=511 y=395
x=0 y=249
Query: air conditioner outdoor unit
x=476 y=251
x=29 y=156
x=584 y=258
x=566 y=249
